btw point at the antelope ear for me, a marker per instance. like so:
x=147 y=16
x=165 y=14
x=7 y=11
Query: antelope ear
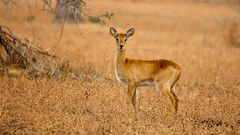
x=113 y=32
x=130 y=32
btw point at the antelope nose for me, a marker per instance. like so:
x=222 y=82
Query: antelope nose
x=121 y=46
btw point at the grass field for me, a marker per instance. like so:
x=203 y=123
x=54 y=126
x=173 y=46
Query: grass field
x=197 y=36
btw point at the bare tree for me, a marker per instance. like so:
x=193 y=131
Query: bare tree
x=71 y=10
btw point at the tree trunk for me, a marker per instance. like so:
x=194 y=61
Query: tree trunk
x=71 y=10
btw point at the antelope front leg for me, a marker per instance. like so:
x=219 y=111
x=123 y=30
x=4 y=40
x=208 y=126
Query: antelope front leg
x=131 y=95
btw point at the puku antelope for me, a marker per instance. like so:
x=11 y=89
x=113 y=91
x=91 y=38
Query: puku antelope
x=134 y=73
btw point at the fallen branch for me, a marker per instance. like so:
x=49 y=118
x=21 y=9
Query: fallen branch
x=25 y=55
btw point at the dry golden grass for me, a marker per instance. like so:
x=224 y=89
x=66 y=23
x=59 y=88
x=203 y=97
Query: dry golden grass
x=193 y=35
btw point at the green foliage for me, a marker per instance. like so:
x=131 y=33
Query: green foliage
x=101 y=19
x=30 y=18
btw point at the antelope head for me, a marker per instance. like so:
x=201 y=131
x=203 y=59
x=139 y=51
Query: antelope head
x=121 y=38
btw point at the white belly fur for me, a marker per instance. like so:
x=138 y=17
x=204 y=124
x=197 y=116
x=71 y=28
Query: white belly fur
x=147 y=83
x=123 y=80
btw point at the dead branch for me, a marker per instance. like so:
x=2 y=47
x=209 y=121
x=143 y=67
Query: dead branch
x=24 y=54
x=47 y=3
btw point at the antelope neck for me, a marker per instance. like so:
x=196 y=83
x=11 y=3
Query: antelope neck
x=120 y=60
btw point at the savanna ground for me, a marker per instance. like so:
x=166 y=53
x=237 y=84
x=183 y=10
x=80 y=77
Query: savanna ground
x=194 y=35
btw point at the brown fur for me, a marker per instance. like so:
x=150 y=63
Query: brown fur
x=134 y=73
